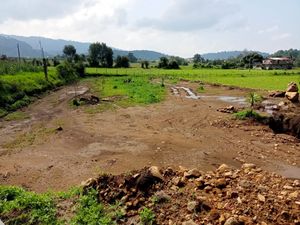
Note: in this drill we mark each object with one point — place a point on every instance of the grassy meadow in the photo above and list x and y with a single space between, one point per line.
257 79
135 85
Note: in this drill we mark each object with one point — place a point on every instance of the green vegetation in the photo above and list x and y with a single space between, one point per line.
147 217
13 67
90 211
128 91
257 79
248 114
18 206
16 116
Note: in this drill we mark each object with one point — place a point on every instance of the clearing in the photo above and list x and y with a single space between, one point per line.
181 130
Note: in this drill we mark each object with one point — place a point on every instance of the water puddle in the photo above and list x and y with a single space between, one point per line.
190 94
231 99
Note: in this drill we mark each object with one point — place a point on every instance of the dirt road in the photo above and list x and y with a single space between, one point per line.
179 131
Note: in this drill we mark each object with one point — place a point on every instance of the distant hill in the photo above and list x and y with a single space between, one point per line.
228 54
8 46
54 47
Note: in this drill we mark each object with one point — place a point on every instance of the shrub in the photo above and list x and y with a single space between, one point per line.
249 113
67 71
147 217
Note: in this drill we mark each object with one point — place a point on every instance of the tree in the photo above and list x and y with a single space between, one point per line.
69 51
145 64
131 57
198 59
252 58
100 55
163 62
122 61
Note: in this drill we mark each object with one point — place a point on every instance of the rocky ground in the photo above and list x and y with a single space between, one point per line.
228 196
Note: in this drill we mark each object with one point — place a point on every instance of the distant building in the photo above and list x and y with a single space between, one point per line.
277 63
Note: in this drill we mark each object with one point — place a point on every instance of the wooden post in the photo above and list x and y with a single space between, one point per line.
44 62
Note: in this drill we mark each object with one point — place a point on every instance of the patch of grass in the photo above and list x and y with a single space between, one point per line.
248 114
257 79
3 112
39 133
18 206
147 217
16 116
201 89
90 211
129 90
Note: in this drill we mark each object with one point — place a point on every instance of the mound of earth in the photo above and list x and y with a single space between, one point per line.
225 196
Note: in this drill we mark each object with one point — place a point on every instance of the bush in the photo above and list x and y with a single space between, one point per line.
147 217
248 114
67 72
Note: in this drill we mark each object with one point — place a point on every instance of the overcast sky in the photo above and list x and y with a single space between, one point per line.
177 27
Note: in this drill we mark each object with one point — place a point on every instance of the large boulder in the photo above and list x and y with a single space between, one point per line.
292 87
292 96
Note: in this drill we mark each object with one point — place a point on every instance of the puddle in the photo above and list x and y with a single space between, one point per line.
231 99
79 91
190 93
269 107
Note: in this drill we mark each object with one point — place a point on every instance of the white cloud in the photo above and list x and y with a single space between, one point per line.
180 27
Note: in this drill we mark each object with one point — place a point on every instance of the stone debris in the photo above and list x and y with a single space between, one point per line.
225 196
292 92
228 109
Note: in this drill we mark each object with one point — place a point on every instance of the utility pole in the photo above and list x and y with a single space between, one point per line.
19 55
44 62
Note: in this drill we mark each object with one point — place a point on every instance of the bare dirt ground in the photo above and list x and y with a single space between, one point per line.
179 131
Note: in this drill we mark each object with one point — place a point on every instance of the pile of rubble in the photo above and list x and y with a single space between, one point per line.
291 93
225 196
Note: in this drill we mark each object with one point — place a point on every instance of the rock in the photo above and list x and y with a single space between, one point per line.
277 94
161 196
221 183
296 183
154 171
248 166
191 206
189 222
292 96
261 198
287 187
292 87
89 182
178 181
245 184
293 195
193 173
232 221
59 128
223 168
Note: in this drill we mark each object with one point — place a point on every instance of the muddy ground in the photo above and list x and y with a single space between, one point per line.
179 131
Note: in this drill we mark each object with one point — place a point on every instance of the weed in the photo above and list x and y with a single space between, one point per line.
18 206
16 116
249 113
147 217
201 89
90 211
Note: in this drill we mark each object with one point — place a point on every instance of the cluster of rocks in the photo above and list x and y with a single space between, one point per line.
228 109
225 196
291 93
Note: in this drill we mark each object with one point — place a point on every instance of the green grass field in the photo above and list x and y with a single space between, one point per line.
257 79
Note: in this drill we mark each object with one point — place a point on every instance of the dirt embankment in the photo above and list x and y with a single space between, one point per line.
227 196
179 131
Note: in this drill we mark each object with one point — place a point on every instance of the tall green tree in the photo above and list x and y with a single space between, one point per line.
100 55
198 58
122 61
69 51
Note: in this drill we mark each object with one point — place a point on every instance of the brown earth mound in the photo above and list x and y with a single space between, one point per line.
225 196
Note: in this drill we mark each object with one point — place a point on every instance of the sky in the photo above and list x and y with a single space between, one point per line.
175 27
